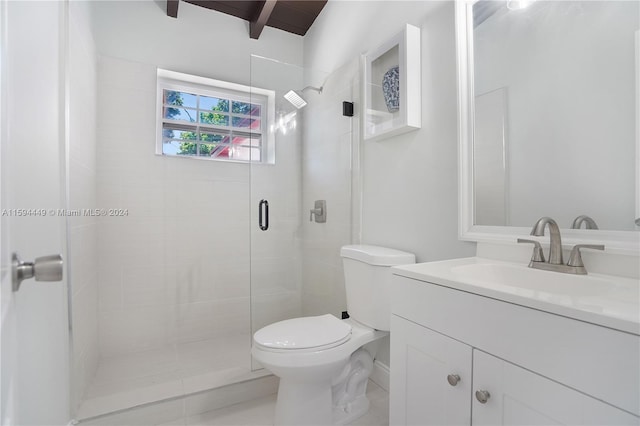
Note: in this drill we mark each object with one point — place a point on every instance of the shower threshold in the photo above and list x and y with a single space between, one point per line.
130 380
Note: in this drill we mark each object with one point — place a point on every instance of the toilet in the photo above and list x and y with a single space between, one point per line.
324 363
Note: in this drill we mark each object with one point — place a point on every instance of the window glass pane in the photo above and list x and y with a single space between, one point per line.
186 148
214 104
173 133
171 147
221 151
214 137
214 118
172 97
183 114
245 108
243 153
246 123
243 140
209 149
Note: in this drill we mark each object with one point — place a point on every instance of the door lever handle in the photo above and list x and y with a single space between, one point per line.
45 268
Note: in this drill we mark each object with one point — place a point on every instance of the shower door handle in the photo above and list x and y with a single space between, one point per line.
263 215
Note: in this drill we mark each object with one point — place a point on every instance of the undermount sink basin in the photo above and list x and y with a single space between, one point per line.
534 280
607 300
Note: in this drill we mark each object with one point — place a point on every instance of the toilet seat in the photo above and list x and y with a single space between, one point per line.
303 334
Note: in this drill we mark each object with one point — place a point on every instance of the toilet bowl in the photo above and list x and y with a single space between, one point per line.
315 364
324 363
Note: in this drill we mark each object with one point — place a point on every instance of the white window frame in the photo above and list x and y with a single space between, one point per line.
181 82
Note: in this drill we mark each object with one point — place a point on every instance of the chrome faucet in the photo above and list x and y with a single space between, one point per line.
555 244
555 263
589 222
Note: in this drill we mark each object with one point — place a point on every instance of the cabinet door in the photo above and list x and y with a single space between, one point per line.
420 391
520 397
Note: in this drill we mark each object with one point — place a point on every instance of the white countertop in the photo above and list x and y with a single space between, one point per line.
605 300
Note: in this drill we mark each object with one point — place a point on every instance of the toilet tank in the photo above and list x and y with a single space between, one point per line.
367 277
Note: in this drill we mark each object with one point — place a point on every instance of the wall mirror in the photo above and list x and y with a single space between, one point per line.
549 104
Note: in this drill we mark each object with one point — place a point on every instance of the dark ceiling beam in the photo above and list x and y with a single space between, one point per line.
262 16
172 8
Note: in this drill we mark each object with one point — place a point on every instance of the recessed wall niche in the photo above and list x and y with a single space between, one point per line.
392 86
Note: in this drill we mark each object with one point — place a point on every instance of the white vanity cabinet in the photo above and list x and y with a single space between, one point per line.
536 368
423 364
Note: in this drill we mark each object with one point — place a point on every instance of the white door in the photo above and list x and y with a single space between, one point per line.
515 396
34 320
431 379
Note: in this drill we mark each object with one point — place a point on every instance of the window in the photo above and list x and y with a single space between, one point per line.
204 118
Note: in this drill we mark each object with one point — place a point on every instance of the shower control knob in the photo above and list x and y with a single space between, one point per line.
482 396
453 379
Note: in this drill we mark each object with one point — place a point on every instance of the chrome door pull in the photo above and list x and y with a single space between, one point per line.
45 268
263 215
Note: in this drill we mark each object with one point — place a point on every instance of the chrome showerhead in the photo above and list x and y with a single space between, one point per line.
296 100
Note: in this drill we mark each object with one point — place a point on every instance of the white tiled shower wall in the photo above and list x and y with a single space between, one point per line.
82 171
177 267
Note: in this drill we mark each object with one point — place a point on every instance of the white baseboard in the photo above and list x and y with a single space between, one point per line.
380 375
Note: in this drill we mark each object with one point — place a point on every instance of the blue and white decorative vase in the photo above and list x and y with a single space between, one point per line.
391 88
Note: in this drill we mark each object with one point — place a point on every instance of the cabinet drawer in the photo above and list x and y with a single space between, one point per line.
598 361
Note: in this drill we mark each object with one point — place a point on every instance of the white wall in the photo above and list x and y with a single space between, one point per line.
410 181
410 199
177 267
569 72
82 171
35 329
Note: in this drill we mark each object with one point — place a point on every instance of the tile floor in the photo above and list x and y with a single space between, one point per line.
259 412
130 380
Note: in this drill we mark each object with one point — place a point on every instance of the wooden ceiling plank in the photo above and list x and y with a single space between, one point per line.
258 23
172 8
295 16
239 8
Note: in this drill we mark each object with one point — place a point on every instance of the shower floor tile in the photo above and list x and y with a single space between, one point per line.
130 380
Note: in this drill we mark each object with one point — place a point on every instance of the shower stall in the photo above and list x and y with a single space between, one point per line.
165 296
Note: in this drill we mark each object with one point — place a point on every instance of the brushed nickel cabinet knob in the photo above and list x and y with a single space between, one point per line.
453 379
482 396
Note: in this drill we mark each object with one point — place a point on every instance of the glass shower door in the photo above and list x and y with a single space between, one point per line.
310 152
275 198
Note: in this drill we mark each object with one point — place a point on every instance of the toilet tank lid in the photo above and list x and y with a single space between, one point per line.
375 255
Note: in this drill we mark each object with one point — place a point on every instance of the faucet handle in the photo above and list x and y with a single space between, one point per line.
575 257
538 254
